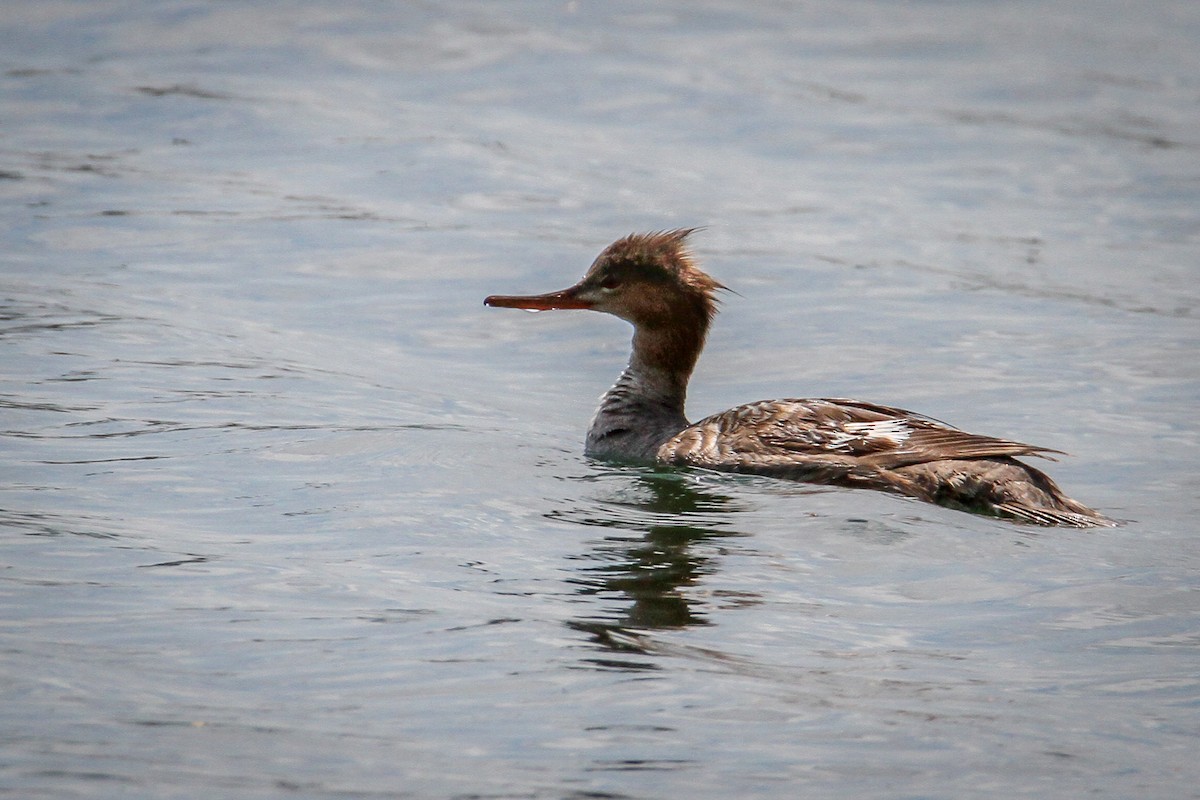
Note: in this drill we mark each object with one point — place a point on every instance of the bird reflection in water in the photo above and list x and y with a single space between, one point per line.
661 524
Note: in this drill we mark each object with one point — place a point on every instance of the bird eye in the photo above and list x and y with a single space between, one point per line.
610 282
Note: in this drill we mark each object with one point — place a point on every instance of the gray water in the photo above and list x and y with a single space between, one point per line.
288 513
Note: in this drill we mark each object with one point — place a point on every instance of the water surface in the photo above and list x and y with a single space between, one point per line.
287 512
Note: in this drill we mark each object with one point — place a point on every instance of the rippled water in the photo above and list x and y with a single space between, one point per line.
287 512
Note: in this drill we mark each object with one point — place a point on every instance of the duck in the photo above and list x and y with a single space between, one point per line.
653 281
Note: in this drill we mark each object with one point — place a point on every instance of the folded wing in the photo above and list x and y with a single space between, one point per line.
827 437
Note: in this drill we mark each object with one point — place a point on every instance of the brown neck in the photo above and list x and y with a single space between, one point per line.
645 407
663 360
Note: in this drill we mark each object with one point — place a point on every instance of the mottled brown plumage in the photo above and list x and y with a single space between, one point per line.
652 281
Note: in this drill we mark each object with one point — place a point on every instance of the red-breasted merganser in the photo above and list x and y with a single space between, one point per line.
651 280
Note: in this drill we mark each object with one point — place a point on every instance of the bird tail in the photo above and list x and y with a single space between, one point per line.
1084 517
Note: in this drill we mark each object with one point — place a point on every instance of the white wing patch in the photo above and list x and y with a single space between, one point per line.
893 431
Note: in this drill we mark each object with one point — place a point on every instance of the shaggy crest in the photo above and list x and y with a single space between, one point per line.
657 257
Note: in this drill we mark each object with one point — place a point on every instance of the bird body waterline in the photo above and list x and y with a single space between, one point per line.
652 281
